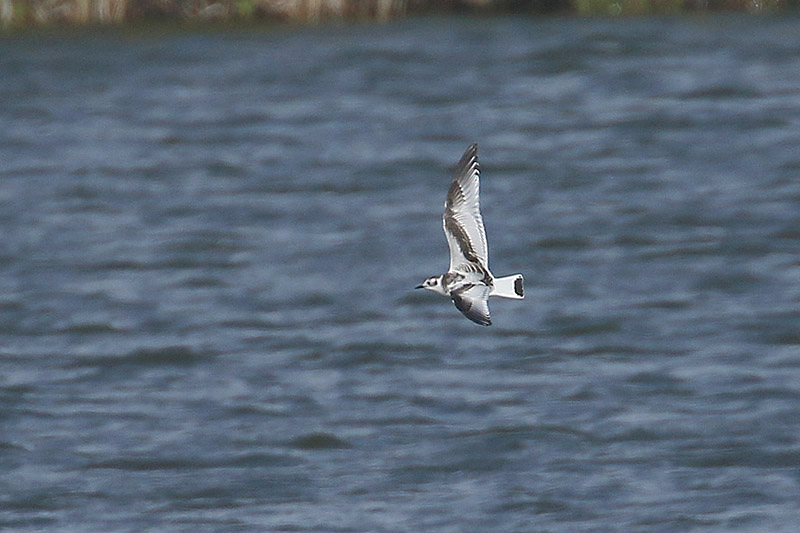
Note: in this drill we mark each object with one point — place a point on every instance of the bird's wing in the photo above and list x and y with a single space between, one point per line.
473 301
463 224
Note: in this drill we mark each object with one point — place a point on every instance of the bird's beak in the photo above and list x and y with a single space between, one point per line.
419 287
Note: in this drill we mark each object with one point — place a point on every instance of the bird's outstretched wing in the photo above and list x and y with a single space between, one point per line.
473 301
463 224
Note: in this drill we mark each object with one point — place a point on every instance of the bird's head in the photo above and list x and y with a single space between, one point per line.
433 283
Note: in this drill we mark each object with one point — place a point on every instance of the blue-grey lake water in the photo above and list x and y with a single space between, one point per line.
209 242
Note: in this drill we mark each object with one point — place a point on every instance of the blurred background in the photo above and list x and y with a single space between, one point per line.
210 235
47 12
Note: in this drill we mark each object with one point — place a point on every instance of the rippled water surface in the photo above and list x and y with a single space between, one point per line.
210 243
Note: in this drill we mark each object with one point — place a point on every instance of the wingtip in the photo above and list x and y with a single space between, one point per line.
481 321
468 162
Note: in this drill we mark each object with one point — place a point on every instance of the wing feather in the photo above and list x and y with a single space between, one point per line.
473 301
462 221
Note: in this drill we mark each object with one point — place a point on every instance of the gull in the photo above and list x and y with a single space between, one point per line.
469 282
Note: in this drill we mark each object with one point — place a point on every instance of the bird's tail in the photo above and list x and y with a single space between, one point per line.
509 287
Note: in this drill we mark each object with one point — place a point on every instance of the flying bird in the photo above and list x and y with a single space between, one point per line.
469 282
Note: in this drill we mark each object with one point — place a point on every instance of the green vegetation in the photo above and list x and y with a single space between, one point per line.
245 8
20 13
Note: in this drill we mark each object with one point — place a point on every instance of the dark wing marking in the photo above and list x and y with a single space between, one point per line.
472 300
462 221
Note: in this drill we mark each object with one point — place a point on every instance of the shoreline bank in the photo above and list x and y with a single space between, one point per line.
39 13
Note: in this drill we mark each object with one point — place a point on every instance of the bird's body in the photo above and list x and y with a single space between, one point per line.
469 282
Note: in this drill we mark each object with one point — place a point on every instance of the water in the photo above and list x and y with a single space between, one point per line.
210 240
